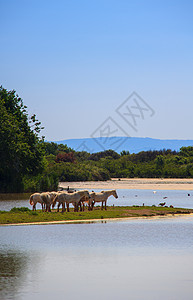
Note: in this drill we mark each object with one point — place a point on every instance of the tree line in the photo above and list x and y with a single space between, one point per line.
28 163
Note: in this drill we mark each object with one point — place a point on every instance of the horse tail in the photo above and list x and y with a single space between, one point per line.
31 200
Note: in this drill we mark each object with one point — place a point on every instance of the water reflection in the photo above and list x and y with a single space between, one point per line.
139 259
13 267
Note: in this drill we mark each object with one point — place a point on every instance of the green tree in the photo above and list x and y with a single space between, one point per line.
21 149
160 162
124 152
186 151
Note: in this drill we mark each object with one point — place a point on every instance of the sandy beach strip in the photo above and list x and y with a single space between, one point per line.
134 183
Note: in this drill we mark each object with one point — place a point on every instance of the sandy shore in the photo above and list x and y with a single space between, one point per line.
134 183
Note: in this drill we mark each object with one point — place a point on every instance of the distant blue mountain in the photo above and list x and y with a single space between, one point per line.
131 144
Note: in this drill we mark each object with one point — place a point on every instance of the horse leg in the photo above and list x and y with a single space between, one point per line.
67 205
105 205
102 205
63 206
82 206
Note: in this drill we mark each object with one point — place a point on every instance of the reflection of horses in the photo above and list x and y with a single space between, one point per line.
66 198
103 196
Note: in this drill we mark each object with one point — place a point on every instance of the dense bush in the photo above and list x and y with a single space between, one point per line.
65 157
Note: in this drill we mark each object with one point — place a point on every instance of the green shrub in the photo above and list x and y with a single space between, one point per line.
20 209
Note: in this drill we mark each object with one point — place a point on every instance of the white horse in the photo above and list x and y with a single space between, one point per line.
38 198
103 196
89 201
59 203
49 199
45 199
66 198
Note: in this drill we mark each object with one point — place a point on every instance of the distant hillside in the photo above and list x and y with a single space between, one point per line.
132 144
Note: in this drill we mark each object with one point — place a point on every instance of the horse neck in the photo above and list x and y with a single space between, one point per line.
55 199
109 193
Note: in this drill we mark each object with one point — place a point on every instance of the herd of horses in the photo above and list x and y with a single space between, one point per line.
78 199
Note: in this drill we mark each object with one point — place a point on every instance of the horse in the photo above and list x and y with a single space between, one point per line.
59 203
89 201
45 199
49 199
66 198
86 199
38 198
103 196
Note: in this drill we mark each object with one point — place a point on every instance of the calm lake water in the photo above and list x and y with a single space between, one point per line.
136 259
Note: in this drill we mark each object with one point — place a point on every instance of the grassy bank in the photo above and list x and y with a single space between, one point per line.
24 215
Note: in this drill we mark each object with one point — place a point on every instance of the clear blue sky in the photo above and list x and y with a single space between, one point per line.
74 62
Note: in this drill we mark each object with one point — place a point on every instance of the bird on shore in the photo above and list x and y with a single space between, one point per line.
162 203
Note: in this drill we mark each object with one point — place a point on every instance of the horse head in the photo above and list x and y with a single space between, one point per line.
115 194
86 194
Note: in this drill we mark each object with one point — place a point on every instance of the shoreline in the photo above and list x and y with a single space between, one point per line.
134 183
105 220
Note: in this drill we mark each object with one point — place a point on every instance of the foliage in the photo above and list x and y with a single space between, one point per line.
97 156
54 148
65 157
20 209
28 163
124 152
21 150
186 151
